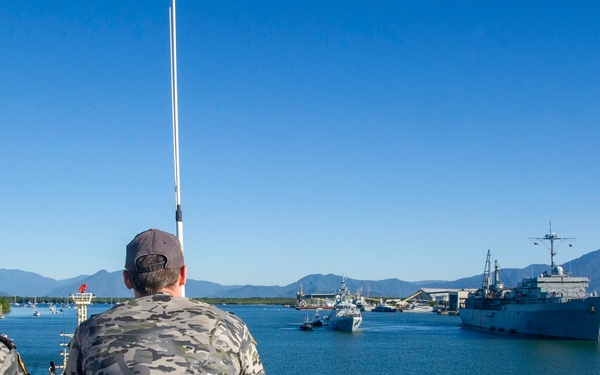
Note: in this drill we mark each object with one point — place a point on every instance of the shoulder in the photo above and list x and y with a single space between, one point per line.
161 307
4 349
10 361
196 309
6 343
7 348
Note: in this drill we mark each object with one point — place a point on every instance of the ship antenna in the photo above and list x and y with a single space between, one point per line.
175 111
552 237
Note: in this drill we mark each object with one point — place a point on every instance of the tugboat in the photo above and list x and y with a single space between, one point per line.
317 322
553 304
307 325
345 316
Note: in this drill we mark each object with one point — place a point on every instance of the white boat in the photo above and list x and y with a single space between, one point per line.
52 308
35 311
345 316
418 307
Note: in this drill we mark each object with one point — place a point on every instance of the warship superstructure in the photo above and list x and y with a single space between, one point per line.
553 304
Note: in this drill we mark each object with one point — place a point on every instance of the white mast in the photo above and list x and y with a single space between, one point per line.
175 110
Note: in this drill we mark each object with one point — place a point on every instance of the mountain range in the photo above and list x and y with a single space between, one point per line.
110 284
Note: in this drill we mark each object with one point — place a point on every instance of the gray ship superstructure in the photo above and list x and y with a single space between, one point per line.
553 304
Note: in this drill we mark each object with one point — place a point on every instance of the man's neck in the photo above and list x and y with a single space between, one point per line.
172 291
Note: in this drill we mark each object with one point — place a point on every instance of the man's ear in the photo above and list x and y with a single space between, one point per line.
126 280
182 275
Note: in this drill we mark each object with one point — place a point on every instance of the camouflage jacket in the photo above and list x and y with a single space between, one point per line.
10 360
163 334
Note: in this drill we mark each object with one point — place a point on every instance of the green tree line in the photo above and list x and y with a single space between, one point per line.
5 306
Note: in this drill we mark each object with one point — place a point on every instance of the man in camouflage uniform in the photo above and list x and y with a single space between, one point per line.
10 360
161 332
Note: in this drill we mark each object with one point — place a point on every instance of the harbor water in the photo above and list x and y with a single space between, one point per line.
386 343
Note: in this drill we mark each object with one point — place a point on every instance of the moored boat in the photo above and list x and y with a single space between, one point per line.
35 310
361 303
418 307
553 304
382 306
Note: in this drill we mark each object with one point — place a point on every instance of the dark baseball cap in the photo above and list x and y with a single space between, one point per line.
154 242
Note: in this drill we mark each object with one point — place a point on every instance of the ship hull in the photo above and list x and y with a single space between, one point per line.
345 323
573 319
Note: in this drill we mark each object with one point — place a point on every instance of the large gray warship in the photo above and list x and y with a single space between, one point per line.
345 316
553 304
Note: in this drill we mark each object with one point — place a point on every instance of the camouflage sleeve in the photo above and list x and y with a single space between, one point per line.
251 363
10 360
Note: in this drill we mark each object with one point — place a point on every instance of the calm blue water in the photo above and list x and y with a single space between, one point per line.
387 343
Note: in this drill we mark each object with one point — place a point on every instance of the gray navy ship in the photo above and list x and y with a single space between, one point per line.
345 316
553 304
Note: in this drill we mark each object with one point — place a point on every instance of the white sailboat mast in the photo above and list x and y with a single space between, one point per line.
175 111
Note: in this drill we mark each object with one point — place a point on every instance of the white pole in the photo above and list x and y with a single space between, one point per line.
175 110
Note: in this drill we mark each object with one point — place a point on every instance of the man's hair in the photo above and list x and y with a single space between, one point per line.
148 283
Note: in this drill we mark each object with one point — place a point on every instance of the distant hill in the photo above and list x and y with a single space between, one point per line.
23 283
110 284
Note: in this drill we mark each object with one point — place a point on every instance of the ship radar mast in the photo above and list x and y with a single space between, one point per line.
552 237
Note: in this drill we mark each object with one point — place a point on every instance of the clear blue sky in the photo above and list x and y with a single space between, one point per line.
384 139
